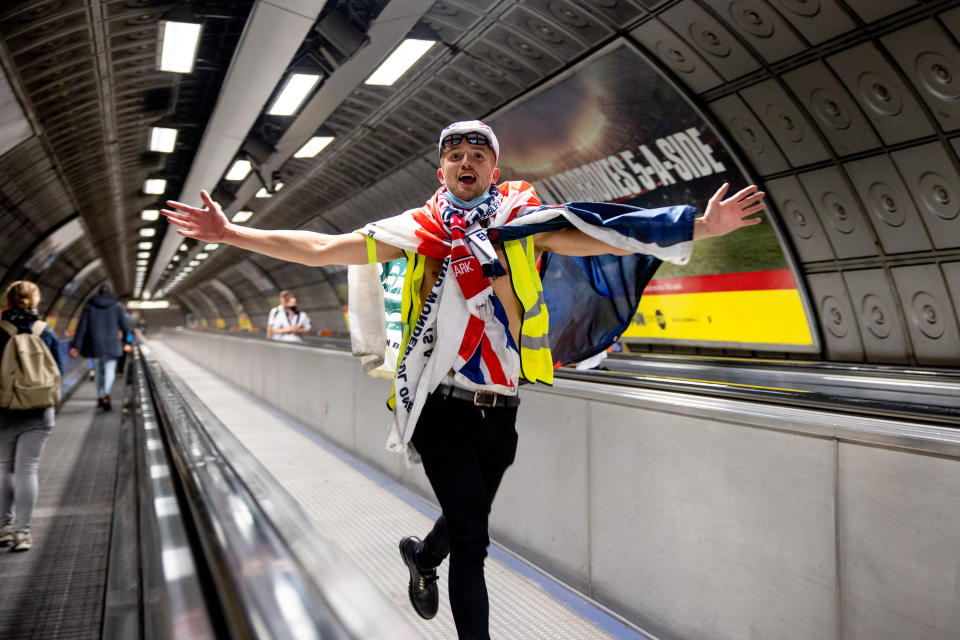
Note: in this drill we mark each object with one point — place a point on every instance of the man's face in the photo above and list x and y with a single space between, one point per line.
468 170
291 302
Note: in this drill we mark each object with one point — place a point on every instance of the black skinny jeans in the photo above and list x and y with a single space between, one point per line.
465 450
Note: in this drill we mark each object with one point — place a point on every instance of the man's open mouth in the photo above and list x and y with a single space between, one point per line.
468 179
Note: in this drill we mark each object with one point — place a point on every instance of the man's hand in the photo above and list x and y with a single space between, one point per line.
74 352
127 347
724 216
208 224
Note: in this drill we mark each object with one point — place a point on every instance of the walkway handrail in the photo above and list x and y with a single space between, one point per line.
275 574
154 590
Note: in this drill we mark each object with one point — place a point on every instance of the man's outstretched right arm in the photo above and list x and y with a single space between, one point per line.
209 224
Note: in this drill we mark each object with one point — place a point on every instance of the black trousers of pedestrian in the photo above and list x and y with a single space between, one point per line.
465 450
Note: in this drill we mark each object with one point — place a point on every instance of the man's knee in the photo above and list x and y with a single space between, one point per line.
469 538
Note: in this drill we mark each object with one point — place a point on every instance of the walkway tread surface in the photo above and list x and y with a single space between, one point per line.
367 520
56 590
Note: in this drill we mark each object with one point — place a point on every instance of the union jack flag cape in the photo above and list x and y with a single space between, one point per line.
464 328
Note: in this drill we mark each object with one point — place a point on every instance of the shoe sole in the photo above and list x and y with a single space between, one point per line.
413 603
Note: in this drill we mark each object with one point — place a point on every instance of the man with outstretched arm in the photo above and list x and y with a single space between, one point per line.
475 324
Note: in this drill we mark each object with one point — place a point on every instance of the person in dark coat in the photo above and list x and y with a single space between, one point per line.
23 432
98 336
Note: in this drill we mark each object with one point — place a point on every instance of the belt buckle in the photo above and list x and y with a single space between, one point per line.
479 398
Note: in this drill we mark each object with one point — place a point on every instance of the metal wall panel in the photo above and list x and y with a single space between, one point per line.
930 317
882 332
544 33
801 219
935 186
842 123
761 26
837 318
885 198
755 142
677 55
898 536
617 12
930 59
785 123
817 20
871 10
576 20
882 95
711 39
951 273
840 213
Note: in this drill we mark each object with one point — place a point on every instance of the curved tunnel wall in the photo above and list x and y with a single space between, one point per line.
846 112
845 115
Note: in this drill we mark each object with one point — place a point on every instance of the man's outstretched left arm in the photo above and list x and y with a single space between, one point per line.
721 217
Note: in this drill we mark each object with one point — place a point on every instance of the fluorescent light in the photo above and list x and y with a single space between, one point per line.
397 63
142 263
180 40
295 89
313 146
140 270
239 170
193 263
277 187
148 304
175 258
144 245
183 247
263 193
202 256
150 214
162 139
148 232
188 269
155 186
210 246
143 254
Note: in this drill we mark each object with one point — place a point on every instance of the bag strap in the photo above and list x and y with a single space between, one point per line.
8 327
38 327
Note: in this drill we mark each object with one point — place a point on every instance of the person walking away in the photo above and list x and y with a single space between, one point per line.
286 322
30 375
98 336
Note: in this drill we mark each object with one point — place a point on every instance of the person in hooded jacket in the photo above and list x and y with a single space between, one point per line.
98 336
23 432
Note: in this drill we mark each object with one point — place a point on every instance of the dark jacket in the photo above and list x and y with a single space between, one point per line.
23 321
98 334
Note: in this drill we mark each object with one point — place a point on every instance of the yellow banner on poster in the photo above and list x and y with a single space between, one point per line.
734 313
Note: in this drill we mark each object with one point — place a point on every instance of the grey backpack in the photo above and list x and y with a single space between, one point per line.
29 377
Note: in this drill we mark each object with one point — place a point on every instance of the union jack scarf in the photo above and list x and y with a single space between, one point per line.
465 328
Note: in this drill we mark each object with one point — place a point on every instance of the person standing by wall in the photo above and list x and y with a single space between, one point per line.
23 431
286 322
98 337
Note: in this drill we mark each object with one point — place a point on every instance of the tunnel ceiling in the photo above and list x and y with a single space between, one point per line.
844 110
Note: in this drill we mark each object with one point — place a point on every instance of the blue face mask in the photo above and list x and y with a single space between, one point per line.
476 202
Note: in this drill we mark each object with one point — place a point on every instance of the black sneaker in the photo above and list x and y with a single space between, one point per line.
423 592
106 403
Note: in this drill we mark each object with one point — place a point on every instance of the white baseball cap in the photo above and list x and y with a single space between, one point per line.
462 129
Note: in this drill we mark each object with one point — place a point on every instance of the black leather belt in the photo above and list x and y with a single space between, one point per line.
485 399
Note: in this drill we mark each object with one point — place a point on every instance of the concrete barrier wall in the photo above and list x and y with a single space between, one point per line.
695 518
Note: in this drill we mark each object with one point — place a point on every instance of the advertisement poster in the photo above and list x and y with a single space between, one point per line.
614 130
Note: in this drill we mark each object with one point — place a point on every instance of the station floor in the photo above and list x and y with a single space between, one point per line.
365 514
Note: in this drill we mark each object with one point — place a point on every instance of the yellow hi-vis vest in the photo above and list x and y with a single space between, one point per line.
536 362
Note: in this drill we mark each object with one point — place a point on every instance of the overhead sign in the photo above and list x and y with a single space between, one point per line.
614 130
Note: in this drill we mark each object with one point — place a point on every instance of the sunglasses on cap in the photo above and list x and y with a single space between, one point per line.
472 137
